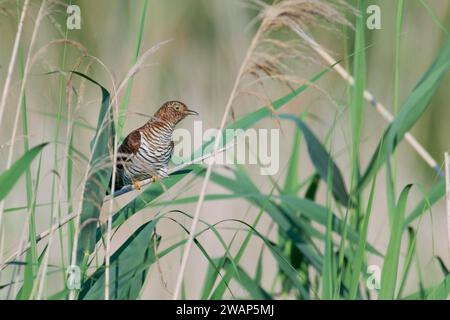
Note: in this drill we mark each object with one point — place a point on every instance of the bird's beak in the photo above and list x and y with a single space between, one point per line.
192 112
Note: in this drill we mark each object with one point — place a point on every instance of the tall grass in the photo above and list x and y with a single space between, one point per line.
321 213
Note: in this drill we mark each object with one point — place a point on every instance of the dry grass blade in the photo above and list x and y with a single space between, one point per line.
111 203
13 60
140 63
196 218
8 81
39 18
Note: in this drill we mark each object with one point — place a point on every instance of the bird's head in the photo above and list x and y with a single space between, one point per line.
173 112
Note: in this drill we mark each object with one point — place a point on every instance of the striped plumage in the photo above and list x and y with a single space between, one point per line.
146 151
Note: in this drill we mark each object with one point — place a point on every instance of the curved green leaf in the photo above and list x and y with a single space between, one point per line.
129 266
322 161
251 285
98 176
391 260
411 111
436 193
9 178
441 291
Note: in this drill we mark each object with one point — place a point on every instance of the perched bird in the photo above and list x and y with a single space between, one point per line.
146 151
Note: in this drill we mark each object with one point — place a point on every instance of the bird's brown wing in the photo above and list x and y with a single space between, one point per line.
128 147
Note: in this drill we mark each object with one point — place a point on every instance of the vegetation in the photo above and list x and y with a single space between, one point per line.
310 232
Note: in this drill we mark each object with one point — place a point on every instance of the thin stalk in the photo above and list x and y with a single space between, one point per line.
188 246
31 259
359 254
423 153
55 155
8 83
22 90
12 62
126 189
124 105
397 55
329 267
357 106
78 215
434 17
400 7
111 202
143 183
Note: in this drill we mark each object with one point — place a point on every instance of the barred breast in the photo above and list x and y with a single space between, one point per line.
153 156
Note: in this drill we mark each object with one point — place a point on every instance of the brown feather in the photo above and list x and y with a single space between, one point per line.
129 146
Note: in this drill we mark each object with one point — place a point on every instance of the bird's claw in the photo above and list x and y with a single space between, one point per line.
154 179
137 185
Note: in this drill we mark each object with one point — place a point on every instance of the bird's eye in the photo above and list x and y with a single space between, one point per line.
177 108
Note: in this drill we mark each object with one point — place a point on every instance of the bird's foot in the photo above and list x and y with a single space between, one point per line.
158 179
137 185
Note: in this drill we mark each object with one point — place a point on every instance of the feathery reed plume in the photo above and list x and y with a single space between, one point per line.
273 57
280 16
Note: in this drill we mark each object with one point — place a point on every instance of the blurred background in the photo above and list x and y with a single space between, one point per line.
198 67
